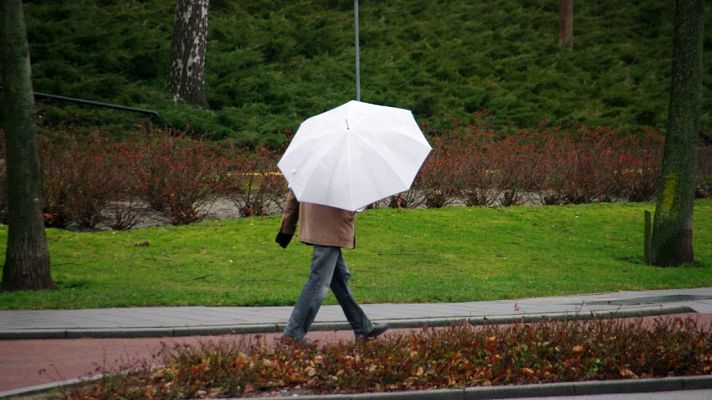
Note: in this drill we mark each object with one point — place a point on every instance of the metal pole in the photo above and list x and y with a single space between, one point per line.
358 61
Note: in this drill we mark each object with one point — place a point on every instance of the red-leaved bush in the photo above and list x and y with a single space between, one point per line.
79 179
92 180
89 180
252 181
127 206
704 175
3 180
439 177
454 357
176 175
58 171
556 166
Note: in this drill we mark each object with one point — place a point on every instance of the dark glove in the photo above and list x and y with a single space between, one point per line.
283 239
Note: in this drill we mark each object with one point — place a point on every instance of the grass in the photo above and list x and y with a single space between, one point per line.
422 255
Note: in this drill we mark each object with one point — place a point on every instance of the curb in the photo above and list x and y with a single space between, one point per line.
535 390
130 333
47 388
648 385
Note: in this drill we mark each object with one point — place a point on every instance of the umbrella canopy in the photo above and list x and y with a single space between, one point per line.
354 155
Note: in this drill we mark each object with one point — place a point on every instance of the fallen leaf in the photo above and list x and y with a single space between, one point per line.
627 373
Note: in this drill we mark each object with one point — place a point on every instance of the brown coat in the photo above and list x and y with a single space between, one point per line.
319 224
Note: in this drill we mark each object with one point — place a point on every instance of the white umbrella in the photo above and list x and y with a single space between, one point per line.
354 155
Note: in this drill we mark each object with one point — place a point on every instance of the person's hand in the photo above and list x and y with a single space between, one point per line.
283 239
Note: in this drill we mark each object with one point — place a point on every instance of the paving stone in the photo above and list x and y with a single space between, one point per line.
207 319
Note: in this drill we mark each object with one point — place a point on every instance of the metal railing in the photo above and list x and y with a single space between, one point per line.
151 113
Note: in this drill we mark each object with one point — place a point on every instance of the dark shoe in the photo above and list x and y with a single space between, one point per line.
377 330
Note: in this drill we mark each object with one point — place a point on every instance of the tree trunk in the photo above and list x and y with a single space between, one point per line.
186 78
672 227
566 23
27 258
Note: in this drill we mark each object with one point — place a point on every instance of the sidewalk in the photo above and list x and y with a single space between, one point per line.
189 321
100 337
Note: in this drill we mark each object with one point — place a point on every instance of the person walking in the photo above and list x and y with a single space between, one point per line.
328 230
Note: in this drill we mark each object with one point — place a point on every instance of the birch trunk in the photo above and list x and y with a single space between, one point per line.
186 78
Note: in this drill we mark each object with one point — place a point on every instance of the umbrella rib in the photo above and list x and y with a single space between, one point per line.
384 158
312 176
348 162
402 135
322 132
308 141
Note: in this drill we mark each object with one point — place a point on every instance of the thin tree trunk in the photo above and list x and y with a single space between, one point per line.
186 78
27 265
672 227
566 23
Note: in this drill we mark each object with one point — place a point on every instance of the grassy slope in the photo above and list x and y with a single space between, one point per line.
272 63
440 255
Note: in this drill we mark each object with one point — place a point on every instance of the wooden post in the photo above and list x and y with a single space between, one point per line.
566 23
647 238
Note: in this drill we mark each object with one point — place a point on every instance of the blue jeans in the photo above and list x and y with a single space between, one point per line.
328 270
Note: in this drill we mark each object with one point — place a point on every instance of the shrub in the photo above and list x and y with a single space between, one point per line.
439 182
83 177
704 175
253 182
512 170
126 208
408 199
57 172
450 357
559 166
3 180
585 165
639 166
93 181
484 177
177 176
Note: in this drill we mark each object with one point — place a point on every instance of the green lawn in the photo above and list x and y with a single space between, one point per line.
439 255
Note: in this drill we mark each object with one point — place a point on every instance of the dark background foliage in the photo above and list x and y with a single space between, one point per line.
270 64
